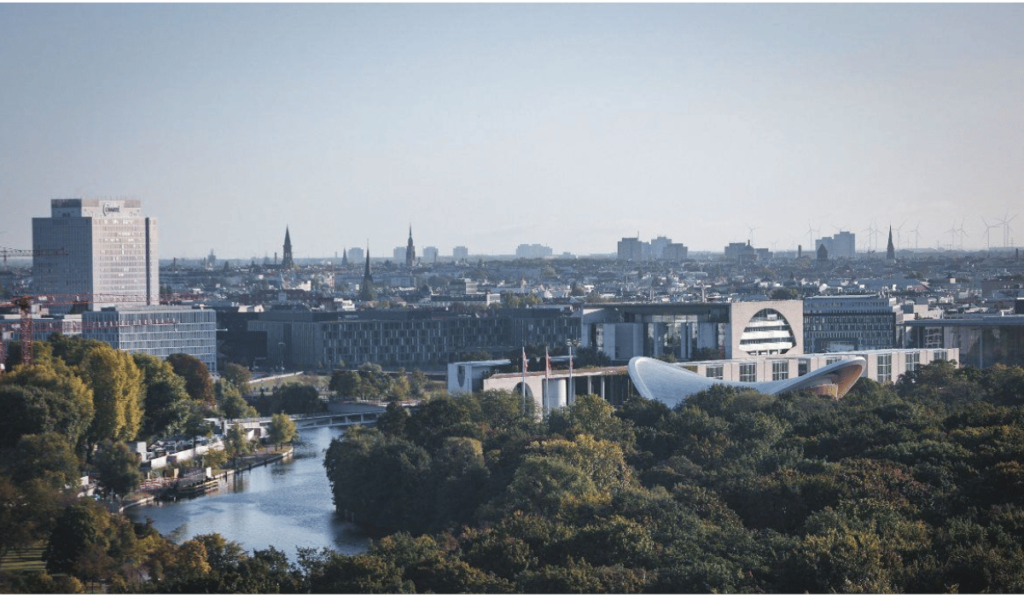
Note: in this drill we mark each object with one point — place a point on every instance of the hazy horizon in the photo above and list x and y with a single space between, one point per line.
494 125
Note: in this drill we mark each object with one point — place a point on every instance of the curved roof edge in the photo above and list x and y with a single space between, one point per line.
671 384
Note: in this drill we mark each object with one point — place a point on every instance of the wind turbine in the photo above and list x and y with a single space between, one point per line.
952 236
917 235
962 233
1006 228
810 236
750 239
988 228
899 237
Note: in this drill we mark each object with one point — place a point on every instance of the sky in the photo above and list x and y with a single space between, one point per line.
494 125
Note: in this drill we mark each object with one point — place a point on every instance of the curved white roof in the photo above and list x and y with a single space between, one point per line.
672 384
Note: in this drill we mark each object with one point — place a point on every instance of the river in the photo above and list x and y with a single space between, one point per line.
286 505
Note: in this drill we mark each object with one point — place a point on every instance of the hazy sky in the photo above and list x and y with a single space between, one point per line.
494 125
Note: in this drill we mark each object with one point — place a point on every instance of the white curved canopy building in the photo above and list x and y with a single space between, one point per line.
672 385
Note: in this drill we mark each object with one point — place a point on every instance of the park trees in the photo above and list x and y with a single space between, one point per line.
198 381
231 403
167 408
118 469
118 394
282 429
46 396
238 375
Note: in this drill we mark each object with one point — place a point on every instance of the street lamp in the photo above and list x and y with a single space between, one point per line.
572 384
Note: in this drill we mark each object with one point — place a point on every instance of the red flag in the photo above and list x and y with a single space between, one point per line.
547 363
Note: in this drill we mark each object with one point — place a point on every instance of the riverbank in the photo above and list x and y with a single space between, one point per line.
199 487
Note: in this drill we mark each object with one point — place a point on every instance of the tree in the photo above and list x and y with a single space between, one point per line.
46 456
346 384
231 403
14 532
118 469
77 528
197 378
238 375
237 441
118 396
46 396
282 429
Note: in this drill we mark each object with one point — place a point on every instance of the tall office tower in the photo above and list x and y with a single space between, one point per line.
103 248
630 249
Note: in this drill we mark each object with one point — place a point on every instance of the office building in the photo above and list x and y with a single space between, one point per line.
631 249
852 322
104 250
424 338
693 331
159 331
533 251
460 252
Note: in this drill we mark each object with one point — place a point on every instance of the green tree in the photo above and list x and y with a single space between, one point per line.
46 396
346 384
238 375
231 403
77 529
118 396
197 377
118 469
237 442
282 429
166 400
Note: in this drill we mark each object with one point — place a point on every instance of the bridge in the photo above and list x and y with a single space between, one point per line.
345 415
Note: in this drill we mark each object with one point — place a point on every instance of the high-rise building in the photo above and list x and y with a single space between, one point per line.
841 245
630 249
460 252
105 249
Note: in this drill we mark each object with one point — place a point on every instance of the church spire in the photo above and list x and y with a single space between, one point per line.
366 290
890 249
410 250
286 260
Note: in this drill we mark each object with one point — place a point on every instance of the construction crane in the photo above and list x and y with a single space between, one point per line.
7 251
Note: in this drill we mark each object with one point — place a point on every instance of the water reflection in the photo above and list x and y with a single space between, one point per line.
285 505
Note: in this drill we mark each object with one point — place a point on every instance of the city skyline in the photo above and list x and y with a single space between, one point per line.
491 126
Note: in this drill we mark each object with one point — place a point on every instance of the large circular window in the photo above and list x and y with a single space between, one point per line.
767 332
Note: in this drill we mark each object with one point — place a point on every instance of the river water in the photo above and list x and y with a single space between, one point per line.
286 505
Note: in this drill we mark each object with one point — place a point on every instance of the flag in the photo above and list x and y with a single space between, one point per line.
547 364
524 360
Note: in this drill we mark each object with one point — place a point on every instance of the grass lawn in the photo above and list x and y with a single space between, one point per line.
29 559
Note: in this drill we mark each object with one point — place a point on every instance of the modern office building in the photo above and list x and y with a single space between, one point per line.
460 252
693 331
104 250
533 251
101 256
981 341
424 338
159 331
852 322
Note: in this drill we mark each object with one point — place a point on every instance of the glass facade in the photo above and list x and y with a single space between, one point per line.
160 331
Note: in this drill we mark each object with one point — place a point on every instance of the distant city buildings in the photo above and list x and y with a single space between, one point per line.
533 251
841 245
660 249
430 254
744 253
355 255
460 253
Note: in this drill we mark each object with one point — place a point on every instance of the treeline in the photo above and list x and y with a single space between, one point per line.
912 487
72 412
